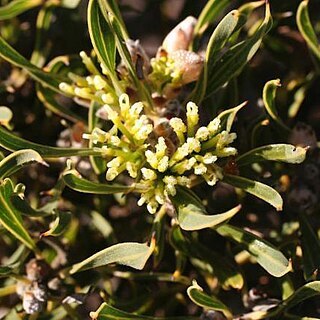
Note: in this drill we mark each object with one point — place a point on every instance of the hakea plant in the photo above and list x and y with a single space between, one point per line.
140 132
161 161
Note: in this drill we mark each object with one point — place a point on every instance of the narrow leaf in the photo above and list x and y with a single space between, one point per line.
193 216
16 7
10 218
131 254
270 258
219 37
269 95
310 249
46 79
196 294
17 160
220 266
306 29
273 152
13 143
107 312
257 189
74 181
210 12
59 225
233 61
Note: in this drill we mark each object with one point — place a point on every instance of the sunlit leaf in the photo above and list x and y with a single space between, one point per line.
306 29
131 254
15 161
192 214
257 189
270 258
46 79
196 294
16 7
220 266
59 225
269 95
13 143
233 61
209 13
74 181
219 37
10 218
107 312
273 152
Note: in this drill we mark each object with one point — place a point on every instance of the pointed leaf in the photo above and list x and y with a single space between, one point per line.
15 161
16 7
74 181
13 143
10 218
310 249
233 61
273 152
131 254
219 37
306 29
210 12
59 225
220 266
270 258
269 95
256 188
192 214
107 312
196 294
46 79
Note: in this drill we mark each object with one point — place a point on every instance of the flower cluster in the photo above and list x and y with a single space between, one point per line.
132 145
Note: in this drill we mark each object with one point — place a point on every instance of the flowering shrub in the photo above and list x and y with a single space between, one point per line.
153 134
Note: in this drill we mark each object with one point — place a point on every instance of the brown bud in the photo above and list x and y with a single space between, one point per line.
180 37
189 63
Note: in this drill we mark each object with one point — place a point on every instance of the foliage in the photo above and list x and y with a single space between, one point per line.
158 155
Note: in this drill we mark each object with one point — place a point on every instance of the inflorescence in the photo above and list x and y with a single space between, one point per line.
131 145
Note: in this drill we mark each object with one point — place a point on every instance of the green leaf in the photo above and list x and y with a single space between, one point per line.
269 95
131 254
13 143
107 312
10 218
270 258
273 152
218 39
210 12
21 204
46 79
59 225
16 7
229 115
48 98
17 160
196 294
192 214
42 44
211 261
306 29
310 249
141 89
257 189
233 61
74 181
103 41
